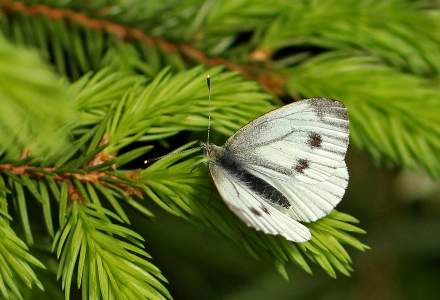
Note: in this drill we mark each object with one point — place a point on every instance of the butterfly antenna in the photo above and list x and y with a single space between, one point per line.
208 81
181 153
150 160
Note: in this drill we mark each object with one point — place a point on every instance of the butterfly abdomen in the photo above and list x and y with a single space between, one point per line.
227 161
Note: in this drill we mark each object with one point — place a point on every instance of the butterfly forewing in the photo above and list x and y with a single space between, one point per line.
305 140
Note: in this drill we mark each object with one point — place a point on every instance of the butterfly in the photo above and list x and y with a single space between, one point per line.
285 168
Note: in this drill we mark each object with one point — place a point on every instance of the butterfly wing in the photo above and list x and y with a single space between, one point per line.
305 140
299 149
253 210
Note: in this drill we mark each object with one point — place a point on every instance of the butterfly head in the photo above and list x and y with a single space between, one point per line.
210 150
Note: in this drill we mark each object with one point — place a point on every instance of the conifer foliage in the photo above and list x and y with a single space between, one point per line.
90 89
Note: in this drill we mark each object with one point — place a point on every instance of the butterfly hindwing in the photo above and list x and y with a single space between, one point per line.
310 202
253 209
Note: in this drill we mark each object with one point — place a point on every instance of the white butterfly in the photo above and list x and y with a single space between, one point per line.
285 167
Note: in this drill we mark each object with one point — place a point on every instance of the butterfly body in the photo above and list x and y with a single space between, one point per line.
285 167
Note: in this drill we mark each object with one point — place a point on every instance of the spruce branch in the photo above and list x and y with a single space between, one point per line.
408 40
70 186
16 261
103 30
150 111
106 254
111 252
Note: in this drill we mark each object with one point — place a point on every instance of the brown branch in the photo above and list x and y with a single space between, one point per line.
102 156
39 172
270 80
88 177
73 193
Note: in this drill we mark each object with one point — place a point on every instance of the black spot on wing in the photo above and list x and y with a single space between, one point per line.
256 184
265 209
301 165
255 211
315 140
